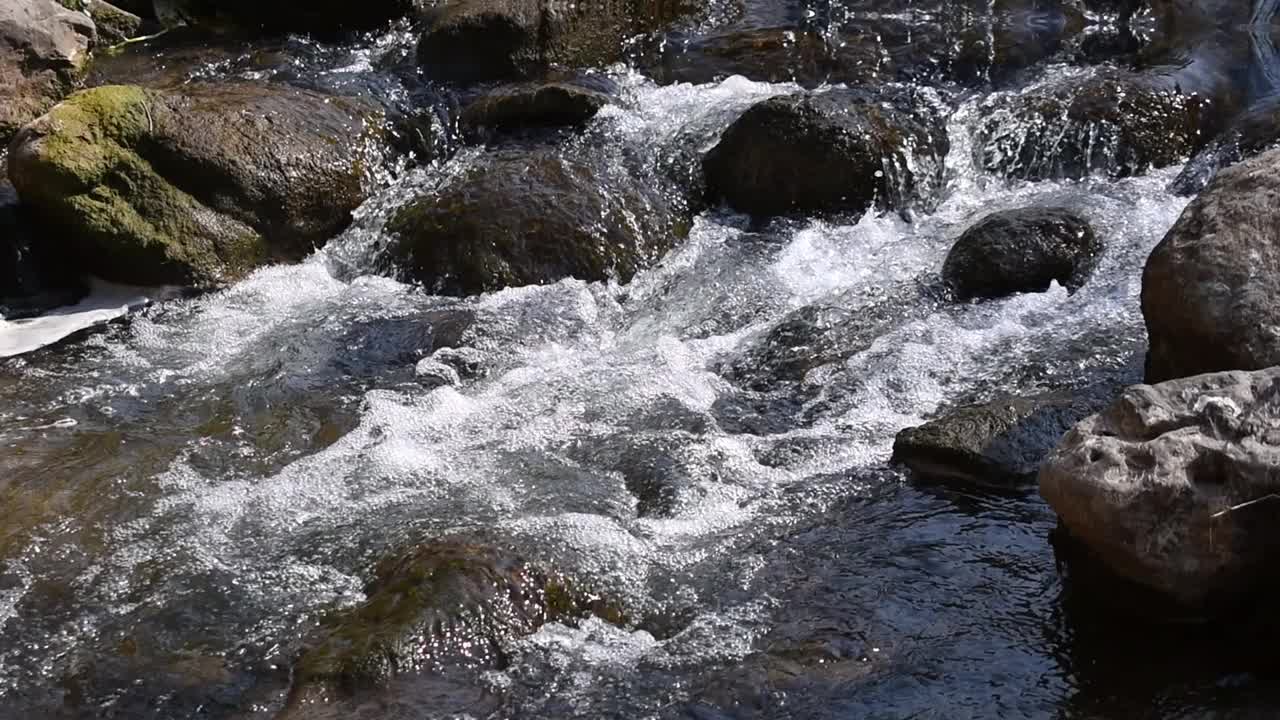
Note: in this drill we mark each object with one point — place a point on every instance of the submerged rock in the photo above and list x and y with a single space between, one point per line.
837 151
1113 123
1174 486
446 604
196 185
483 40
512 107
43 50
1021 251
999 444
1209 288
517 216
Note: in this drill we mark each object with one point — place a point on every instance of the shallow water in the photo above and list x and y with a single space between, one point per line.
181 495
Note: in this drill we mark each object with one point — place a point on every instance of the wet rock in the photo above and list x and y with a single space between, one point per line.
1174 486
1252 133
523 105
483 40
998 444
43 50
1209 288
114 24
31 281
838 151
197 185
446 604
783 54
325 17
1019 251
1114 123
517 216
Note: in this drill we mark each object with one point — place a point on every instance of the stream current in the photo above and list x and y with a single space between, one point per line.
182 494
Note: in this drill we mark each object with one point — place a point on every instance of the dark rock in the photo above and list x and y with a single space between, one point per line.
1209 288
1114 123
481 40
324 17
1021 251
1174 486
804 56
999 444
838 151
114 24
447 603
196 185
43 50
523 105
1250 134
518 216
31 281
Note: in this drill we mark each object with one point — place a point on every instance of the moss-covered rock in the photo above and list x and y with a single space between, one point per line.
43 50
115 25
837 151
197 185
479 40
518 216
447 603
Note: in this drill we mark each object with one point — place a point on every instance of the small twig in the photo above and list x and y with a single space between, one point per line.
1241 506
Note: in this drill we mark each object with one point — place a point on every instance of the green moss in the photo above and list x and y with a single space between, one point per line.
87 174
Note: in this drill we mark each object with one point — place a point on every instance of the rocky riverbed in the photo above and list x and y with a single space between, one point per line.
638 359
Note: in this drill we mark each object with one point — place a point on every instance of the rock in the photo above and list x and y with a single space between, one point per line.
998 444
1209 288
781 54
114 24
483 40
31 282
522 105
324 17
43 50
448 603
517 216
1019 251
1116 124
838 151
1174 486
1252 133
197 185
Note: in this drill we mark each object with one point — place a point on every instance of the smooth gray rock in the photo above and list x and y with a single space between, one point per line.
1209 289
1175 486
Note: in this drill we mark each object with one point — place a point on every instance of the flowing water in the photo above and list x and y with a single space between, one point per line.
183 494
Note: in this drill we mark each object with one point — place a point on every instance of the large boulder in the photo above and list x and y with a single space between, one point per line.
1113 123
481 40
325 17
996 445
196 185
448 603
836 151
1210 287
43 49
1175 486
1021 250
518 216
